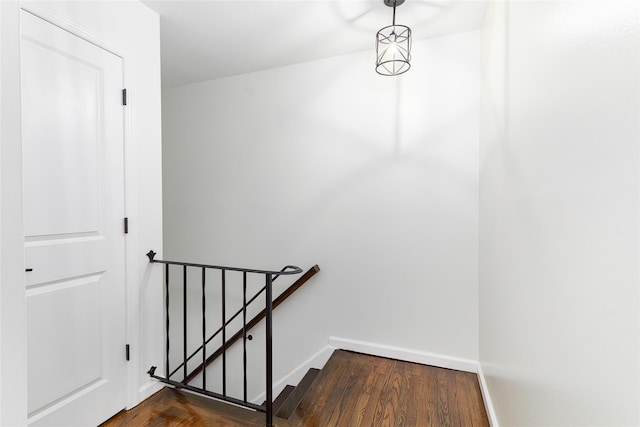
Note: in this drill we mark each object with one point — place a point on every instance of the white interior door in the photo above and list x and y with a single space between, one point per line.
73 220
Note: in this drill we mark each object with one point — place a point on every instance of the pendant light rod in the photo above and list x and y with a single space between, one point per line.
394 12
393 4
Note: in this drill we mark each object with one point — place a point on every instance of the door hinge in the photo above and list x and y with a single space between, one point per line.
124 97
126 226
126 351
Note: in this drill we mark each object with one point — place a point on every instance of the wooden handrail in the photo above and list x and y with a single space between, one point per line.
253 322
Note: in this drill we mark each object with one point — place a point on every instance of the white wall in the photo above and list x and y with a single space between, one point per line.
373 178
559 234
131 30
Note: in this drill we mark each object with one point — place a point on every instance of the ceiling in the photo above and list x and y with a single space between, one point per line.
208 39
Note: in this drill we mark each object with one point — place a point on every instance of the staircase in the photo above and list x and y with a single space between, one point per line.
351 390
291 396
193 281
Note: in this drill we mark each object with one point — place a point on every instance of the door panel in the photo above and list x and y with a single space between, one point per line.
79 351
62 132
73 212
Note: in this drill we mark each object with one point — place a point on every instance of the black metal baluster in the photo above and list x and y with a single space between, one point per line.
224 336
269 356
204 333
184 325
166 280
244 331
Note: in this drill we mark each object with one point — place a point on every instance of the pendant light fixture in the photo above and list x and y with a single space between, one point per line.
393 46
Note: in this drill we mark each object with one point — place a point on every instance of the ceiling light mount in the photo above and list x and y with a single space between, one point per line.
393 46
392 3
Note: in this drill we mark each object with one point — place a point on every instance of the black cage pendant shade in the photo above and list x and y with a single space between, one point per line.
393 46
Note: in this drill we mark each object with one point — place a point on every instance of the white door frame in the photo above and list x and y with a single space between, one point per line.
131 248
13 375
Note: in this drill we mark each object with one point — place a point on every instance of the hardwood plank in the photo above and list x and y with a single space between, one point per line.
408 397
443 381
468 395
387 399
364 398
354 384
425 388
397 405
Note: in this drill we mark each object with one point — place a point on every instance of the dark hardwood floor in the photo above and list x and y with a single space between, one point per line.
170 407
355 390
352 390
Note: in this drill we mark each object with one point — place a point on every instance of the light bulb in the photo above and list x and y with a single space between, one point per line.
393 46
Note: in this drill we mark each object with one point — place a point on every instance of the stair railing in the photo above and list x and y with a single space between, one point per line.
250 324
269 276
194 373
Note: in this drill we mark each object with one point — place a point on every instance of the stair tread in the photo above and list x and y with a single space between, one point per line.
297 394
282 397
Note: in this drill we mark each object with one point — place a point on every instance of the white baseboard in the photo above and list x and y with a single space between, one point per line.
148 389
317 360
486 397
405 354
